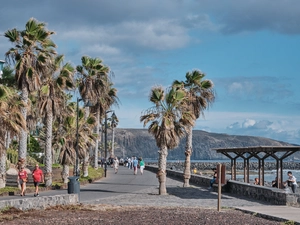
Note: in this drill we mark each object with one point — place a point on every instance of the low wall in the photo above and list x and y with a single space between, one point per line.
40 202
253 165
272 195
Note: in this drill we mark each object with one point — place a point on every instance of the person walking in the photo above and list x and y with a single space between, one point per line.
129 163
22 179
38 177
135 164
142 165
116 164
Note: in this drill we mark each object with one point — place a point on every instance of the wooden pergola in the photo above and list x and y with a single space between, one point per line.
261 153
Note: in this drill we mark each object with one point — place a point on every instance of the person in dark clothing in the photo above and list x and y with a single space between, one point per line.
212 181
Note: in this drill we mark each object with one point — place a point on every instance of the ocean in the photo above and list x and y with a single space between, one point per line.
269 174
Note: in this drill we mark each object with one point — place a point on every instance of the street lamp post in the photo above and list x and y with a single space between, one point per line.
105 143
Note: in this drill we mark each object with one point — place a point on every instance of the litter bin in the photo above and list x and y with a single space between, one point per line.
73 185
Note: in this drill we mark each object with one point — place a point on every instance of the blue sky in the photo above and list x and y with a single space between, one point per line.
249 49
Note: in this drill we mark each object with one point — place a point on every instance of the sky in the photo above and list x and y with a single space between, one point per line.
250 50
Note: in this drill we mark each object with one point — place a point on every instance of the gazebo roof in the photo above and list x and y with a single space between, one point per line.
258 149
260 153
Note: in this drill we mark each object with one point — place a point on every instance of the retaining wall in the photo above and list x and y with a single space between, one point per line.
40 202
272 195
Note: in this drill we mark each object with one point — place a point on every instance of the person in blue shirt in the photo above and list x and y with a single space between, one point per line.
135 164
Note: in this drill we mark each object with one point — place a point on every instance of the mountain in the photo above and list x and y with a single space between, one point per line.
138 142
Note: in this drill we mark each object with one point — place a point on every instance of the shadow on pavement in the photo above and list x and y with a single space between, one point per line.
192 193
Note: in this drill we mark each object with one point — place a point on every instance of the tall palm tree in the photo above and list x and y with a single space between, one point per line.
67 139
200 95
168 118
52 102
31 54
93 85
105 102
11 121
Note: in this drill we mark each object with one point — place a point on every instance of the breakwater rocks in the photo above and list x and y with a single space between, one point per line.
240 165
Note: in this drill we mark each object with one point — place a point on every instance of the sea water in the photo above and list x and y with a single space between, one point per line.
271 174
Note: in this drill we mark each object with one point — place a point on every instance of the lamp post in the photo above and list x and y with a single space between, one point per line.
105 142
88 104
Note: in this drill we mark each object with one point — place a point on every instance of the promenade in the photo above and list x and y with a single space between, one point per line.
127 189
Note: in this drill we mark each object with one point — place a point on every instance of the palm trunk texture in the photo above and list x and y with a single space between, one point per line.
162 167
188 153
65 173
3 169
48 153
97 140
23 134
85 165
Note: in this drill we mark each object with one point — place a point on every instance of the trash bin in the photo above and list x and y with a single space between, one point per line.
73 185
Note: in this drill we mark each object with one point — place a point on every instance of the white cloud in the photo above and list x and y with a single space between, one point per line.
248 123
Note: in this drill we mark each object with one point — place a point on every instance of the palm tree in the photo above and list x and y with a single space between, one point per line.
93 85
106 102
200 95
52 102
31 55
168 118
11 121
67 140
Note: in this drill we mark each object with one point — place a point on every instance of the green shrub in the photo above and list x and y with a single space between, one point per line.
12 156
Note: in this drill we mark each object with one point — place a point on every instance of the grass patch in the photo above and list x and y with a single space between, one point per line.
93 175
8 189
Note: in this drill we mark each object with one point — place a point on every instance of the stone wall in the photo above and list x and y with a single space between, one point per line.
272 195
40 202
240 165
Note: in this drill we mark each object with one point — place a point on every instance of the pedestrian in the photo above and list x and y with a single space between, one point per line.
291 181
22 179
212 181
116 164
135 164
256 181
38 177
129 163
274 183
142 165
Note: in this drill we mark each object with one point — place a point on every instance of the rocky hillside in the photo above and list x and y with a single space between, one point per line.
139 142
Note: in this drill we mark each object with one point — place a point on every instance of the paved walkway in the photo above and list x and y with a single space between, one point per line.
126 189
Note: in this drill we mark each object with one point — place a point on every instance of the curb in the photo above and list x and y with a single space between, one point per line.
265 216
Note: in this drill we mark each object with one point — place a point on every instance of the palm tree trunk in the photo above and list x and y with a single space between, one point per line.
23 134
48 147
65 173
97 140
88 153
7 140
188 153
3 169
162 167
85 164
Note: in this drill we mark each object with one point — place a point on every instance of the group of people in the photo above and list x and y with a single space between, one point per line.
132 163
290 182
22 179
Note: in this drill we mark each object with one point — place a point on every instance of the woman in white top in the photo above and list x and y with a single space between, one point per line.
291 182
116 164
